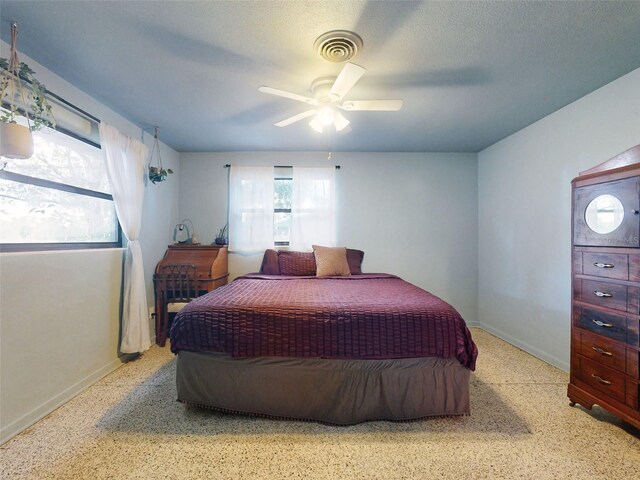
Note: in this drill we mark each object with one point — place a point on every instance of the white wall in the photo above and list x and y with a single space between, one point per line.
59 311
525 214
413 214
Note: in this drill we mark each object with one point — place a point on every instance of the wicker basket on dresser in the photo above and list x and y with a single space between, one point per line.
605 327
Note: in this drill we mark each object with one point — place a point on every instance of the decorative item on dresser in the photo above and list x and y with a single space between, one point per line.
605 331
211 272
221 239
182 233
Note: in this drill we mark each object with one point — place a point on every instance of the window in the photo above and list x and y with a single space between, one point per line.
281 206
250 208
282 193
313 200
60 198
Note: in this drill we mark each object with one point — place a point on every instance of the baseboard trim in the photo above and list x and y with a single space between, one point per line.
17 426
536 352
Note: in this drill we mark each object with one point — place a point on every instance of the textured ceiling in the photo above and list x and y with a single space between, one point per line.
470 73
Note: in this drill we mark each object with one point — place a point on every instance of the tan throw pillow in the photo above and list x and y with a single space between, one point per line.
331 261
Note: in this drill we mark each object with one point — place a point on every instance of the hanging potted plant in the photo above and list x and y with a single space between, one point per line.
157 173
18 99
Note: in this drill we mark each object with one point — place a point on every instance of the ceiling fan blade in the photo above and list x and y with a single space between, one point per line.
348 77
292 96
295 118
380 105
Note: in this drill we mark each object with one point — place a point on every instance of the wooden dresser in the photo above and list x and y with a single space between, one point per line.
211 266
605 327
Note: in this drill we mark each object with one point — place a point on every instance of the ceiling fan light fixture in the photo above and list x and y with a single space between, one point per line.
328 116
317 124
340 122
325 115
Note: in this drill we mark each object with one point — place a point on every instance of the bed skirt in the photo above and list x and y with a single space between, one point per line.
341 392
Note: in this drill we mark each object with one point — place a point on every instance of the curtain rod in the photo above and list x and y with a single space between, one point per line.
278 166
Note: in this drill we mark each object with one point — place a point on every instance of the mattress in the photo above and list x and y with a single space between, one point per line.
369 316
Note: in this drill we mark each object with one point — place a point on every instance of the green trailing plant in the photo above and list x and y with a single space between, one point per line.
158 174
32 95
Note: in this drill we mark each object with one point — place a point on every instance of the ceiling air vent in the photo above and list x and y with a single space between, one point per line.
338 46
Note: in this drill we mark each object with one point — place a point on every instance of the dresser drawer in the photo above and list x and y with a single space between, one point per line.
633 363
633 332
633 393
608 265
603 350
577 262
603 379
605 294
634 267
607 324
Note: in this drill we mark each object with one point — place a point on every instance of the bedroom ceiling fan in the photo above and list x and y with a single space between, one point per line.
328 100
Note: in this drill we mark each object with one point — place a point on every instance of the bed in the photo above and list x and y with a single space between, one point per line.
335 349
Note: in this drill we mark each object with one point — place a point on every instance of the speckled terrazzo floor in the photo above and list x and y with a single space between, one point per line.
129 425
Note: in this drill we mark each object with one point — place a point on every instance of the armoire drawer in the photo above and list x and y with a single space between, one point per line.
602 350
607 324
633 332
606 294
633 394
603 379
608 265
633 363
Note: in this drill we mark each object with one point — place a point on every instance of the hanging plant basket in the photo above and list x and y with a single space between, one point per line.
16 140
28 101
157 173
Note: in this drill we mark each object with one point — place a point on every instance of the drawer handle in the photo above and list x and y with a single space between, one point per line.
598 293
602 352
603 265
602 324
601 380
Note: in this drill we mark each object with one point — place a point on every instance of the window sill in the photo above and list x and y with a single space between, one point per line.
74 250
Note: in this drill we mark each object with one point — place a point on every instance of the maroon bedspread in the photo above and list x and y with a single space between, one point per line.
358 316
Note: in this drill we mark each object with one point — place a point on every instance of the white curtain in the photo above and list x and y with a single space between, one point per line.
125 158
313 207
250 208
